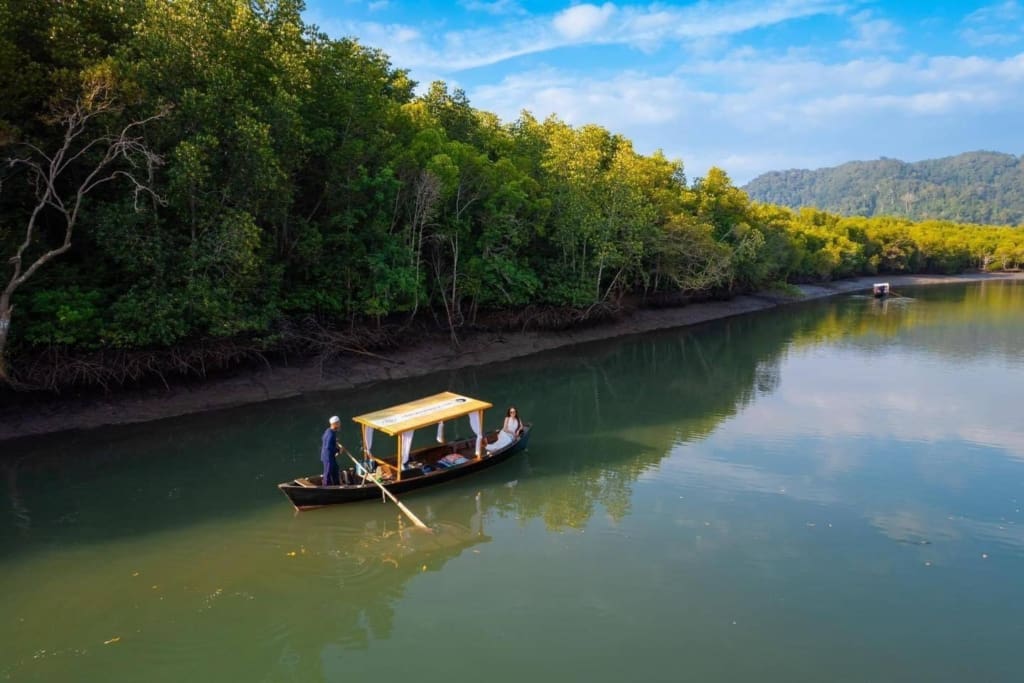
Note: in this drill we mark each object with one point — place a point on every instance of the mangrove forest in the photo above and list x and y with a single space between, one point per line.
195 184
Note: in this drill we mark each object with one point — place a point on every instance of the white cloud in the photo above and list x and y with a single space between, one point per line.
774 90
498 7
874 35
750 114
628 99
580 21
998 24
585 24
999 12
981 38
745 110
405 34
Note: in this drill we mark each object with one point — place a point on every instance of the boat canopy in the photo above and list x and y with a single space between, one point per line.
422 412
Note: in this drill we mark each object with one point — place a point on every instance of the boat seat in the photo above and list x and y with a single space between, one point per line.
305 483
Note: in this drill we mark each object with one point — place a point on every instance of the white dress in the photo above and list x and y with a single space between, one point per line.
507 434
511 425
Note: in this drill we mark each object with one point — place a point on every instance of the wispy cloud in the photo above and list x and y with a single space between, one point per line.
873 35
782 112
764 90
710 81
583 24
999 24
497 7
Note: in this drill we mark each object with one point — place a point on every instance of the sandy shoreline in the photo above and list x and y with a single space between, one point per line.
431 356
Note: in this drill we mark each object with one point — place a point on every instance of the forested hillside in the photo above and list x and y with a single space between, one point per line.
197 183
976 187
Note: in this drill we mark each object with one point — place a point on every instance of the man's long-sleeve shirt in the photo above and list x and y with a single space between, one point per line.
330 447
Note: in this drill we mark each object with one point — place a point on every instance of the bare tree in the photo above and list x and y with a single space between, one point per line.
428 192
84 160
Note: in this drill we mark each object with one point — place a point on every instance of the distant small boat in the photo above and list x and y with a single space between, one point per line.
880 289
427 466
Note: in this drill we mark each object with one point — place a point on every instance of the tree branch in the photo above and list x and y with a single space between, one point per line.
47 174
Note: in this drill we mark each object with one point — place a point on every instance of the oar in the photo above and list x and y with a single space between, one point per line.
405 510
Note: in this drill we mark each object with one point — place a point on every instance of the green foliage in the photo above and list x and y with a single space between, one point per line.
303 177
68 316
976 187
146 315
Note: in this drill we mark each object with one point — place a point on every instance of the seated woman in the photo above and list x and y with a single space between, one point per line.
509 432
513 426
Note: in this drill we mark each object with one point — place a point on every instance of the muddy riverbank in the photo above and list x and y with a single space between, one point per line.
58 414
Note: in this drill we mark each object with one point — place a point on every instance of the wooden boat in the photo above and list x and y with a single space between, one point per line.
412 469
880 289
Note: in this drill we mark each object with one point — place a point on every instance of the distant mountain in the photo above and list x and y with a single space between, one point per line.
975 187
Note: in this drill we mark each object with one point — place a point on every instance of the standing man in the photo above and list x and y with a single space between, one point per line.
329 453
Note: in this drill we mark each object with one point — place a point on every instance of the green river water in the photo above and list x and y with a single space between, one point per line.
830 491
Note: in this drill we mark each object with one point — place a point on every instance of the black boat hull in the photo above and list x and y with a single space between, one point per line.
308 497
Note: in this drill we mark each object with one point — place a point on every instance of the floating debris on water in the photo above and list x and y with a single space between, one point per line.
115 639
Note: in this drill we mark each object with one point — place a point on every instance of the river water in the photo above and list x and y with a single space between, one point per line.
828 491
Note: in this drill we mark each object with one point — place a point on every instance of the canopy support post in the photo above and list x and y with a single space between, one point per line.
480 438
398 459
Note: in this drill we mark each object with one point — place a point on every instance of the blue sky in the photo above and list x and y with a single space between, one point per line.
744 85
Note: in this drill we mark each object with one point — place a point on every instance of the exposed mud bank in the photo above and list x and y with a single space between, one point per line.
431 355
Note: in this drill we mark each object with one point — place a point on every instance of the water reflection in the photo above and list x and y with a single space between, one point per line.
976 323
610 412
225 464
732 487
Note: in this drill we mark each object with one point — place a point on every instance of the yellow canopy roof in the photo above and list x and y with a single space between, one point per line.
422 412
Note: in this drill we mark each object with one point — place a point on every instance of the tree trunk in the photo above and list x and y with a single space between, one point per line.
5 328
455 308
428 190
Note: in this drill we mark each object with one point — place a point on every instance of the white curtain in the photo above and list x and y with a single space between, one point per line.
440 432
367 443
406 438
474 423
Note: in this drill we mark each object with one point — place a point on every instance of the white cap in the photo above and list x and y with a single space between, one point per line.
335 418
